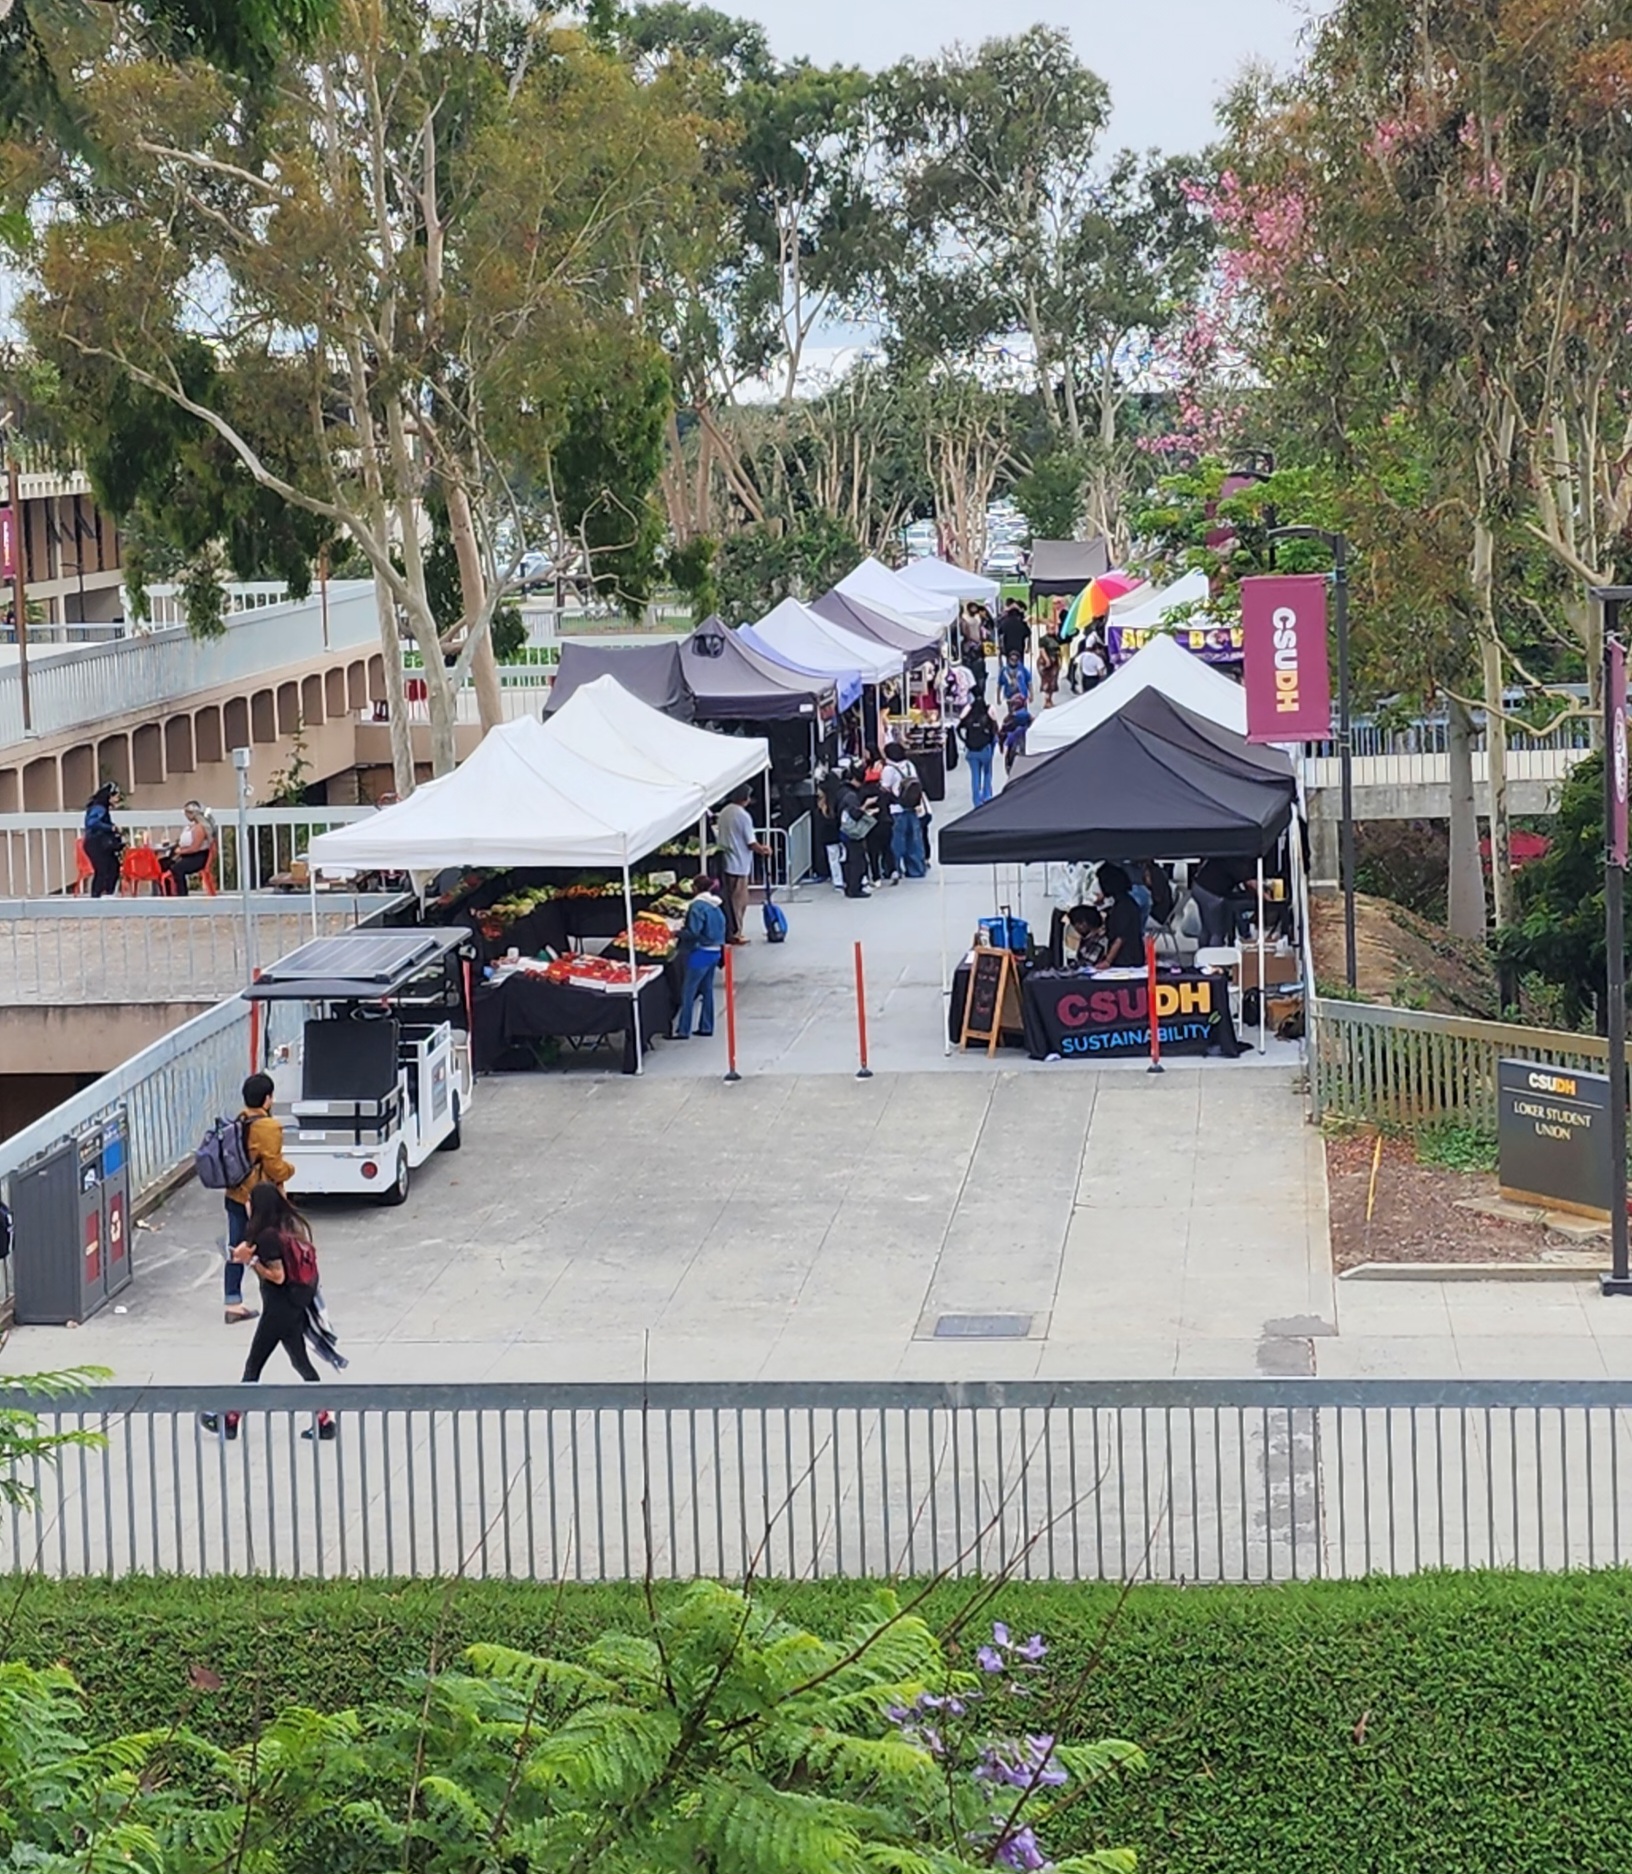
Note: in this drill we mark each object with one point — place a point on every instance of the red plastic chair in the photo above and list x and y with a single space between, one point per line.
84 871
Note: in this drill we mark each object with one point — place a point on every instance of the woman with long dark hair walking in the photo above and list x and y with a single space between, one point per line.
278 1247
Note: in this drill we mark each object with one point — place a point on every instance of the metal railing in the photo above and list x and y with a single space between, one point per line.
1547 765
167 604
1170 1480
83 687
82 951
38 851
1405 1067
172 1091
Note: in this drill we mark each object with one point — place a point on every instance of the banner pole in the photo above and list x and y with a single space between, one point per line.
864 1072
1619 1280
730 1016
1155 1066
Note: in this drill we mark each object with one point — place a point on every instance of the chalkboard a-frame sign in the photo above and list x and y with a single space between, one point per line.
990 975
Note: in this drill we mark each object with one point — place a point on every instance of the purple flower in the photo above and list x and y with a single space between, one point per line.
955 1707
1021 1850
989 1659
1000 1633
897 1714
929 1701
1033 1650
930 1738
1046 1771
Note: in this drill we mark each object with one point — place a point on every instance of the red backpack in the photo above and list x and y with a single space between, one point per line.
299 1260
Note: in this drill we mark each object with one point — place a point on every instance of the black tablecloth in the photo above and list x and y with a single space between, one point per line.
521 1010
1076 1015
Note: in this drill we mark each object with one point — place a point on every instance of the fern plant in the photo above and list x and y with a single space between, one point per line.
724 1741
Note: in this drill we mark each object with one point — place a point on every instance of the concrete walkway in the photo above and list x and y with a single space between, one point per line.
813 1226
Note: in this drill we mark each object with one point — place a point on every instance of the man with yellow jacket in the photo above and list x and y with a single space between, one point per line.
263 1142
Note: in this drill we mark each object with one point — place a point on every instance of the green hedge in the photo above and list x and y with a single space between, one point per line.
1446 1722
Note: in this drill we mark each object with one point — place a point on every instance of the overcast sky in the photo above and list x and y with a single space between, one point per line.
1166 61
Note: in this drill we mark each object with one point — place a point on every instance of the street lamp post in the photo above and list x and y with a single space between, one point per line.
19 573
241 758
1610 599
1337 545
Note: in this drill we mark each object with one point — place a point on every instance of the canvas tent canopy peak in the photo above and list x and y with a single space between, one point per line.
1146 605
1159 665
1061 568
653 672
619 733
873 584
731 681
794 631
945 580
1153 781
521 798
919 644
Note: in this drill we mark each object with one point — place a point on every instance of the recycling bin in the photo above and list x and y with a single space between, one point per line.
71 1226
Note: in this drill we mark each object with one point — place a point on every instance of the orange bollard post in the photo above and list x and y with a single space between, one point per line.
1155 1066
864 1072
730 1017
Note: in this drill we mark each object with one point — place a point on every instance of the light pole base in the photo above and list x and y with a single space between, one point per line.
1615 1285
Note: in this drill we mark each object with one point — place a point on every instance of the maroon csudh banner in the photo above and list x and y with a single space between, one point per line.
1283 625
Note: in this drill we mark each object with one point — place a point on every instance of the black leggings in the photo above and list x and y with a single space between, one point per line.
102 849
278 1327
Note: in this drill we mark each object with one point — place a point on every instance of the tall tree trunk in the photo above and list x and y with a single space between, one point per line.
1501 864
396 701
484 666
1466 890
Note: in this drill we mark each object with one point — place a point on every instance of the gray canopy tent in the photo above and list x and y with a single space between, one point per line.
1061 568
652 672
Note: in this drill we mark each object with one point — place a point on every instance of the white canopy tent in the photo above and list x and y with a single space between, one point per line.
604 724
622 779
874 585
1145 605
1159 665
942 579
794 631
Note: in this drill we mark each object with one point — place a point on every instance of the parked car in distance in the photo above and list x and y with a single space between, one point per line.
1003 562
536 569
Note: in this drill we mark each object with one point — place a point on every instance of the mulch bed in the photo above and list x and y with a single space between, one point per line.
1415 1217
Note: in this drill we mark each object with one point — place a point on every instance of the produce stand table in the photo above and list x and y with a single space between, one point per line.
520 1009
1105 1014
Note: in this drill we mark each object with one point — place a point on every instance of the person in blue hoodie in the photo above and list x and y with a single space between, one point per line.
701 948
104 843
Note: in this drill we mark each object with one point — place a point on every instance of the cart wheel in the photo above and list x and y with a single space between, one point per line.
398 1193
455 1138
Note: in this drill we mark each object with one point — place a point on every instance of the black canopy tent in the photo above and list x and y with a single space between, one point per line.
730 681
1061 568
651 672
919 646
1154 781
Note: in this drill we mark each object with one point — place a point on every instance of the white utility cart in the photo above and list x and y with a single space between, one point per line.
381 1077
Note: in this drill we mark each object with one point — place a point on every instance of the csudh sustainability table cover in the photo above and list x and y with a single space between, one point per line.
1105 1014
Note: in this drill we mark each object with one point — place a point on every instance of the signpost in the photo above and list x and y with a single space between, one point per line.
1553 1129
1338 546
990 980
1611 599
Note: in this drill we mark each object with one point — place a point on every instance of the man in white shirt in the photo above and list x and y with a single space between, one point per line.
738 846
906 794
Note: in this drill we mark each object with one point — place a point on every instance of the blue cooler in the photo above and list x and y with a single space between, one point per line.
1006 932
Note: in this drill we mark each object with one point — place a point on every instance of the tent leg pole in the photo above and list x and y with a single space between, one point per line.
946 980
634 971
311 888
1263 993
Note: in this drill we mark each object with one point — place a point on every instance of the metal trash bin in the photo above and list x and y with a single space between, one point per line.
71 1226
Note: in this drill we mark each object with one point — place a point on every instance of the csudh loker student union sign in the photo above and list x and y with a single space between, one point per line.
1552 1129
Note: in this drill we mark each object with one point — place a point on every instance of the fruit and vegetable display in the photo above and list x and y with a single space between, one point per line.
587 972
654 937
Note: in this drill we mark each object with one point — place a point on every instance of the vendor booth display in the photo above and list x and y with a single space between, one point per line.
1155 781
873 584
1061 568
945 580
607 781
